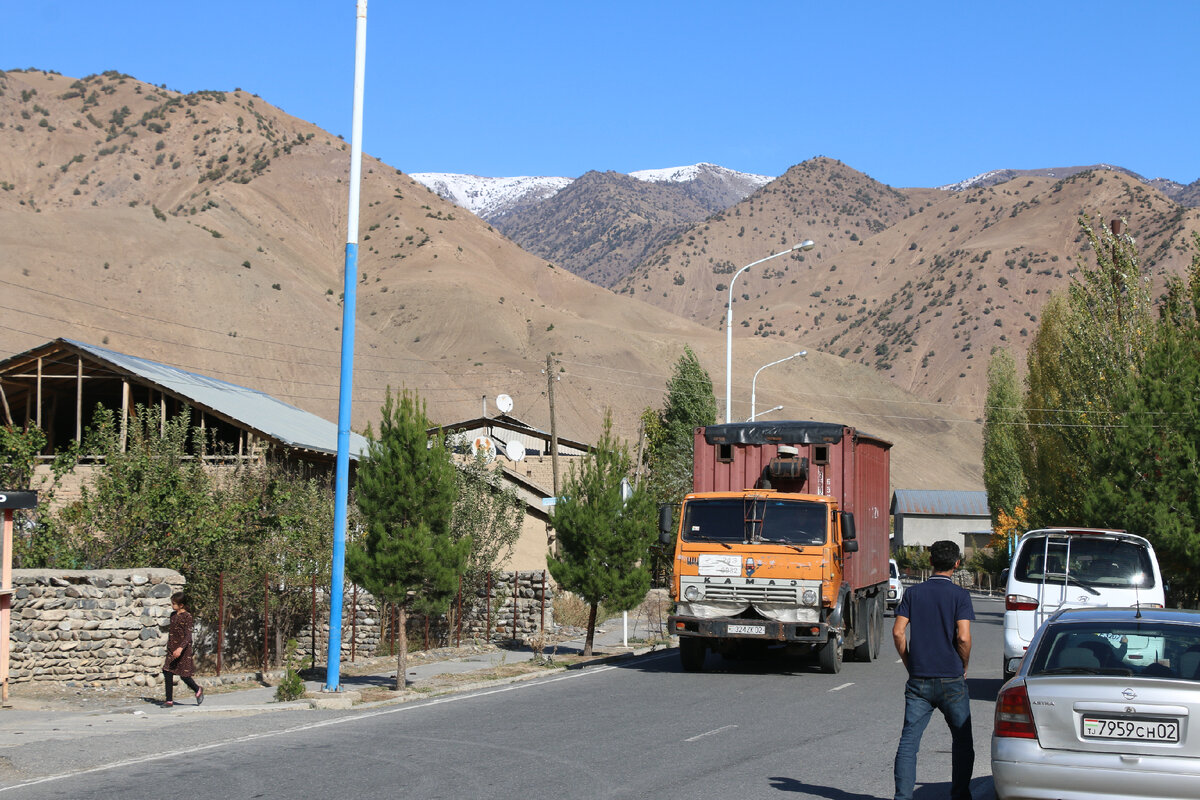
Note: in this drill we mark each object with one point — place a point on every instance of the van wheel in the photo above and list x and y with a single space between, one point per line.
830 655
691 654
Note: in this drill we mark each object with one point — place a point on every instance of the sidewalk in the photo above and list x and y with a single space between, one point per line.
54 711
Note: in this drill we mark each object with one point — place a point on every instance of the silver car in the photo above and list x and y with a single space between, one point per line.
1105 706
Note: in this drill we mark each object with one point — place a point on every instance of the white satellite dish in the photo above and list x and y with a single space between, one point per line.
504 403
514 450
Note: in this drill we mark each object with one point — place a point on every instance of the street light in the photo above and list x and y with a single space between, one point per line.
759 414
807 244
754 382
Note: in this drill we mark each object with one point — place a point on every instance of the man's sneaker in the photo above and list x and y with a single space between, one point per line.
200 695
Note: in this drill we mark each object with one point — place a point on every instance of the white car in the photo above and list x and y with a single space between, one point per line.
895 590
1103 708
1055 568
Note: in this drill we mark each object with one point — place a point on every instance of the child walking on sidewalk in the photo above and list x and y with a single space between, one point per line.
179 650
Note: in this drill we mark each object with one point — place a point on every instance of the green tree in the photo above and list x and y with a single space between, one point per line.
1003 437
1086 345
603 539
689 403
1148 470
405 488
38 542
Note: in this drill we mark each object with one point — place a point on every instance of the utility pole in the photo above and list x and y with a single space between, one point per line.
637 469
553 423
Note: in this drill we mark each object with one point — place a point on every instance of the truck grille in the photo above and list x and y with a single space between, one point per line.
753 594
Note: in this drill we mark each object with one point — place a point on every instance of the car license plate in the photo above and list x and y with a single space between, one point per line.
756 630
1136 730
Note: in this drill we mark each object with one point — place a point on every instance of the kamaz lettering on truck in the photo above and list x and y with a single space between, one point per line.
783 540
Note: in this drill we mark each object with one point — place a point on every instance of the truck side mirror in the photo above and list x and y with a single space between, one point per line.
848 532
849 546
666 517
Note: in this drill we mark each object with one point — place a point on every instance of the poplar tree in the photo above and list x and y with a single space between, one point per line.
1148 471
603 540
1003 437
405 491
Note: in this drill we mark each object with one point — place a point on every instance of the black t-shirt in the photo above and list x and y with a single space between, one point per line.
933 609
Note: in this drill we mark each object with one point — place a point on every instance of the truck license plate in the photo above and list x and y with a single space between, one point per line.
757 630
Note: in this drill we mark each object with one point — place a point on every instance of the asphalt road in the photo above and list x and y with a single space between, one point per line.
774 728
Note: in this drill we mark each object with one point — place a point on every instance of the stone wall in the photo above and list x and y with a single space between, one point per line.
371 638
103 625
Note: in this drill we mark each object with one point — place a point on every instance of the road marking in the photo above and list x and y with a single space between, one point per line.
839 688
710 733
313 726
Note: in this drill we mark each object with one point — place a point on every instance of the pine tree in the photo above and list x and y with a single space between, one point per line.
405 490
603 541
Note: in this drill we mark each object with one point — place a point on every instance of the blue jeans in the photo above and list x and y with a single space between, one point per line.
921 697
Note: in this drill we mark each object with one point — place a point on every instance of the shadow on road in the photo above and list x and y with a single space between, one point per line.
984 688
981 788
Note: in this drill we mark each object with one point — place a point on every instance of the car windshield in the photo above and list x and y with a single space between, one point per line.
736 520
1150 649
1086 560
893 572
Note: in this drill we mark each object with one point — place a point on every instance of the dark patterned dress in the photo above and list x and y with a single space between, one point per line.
180 635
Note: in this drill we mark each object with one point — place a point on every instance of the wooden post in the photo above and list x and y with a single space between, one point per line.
124 414
6 592
487 629
458 616
78 399
553 423
266 619
7 411
39 392
543 600
220 619
313 626
516 594
353 623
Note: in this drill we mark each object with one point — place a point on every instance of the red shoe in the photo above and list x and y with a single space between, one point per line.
168 703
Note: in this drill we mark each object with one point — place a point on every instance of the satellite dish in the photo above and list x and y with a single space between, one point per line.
504 403
514 450
484 445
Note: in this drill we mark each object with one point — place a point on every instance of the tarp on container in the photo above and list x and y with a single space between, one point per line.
779 432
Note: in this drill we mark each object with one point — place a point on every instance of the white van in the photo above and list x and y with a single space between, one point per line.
1055 568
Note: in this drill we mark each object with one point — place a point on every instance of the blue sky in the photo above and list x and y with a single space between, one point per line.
914 94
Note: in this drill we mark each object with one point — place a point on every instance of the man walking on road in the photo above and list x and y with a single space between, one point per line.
937 615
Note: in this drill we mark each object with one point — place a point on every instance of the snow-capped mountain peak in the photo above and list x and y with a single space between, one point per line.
694 171
486 197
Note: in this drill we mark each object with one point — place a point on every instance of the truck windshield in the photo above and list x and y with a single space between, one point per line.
734 520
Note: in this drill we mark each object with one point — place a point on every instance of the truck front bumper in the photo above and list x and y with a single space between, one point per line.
741 628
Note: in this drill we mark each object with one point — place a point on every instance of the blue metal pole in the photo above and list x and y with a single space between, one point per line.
345 393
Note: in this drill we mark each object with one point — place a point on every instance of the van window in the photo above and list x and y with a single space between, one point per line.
1093 560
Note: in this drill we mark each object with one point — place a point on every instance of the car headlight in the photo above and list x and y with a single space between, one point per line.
809 598
691 594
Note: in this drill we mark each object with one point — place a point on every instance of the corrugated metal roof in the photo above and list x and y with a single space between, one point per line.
287 424
933 502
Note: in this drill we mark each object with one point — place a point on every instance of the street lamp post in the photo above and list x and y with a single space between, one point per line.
754 383
807 244
768 411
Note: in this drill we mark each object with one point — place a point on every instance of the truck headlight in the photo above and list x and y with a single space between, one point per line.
691 594
809 598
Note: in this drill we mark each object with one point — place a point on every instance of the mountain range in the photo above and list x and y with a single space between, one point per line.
207 230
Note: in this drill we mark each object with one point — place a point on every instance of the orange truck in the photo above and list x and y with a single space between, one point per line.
783 541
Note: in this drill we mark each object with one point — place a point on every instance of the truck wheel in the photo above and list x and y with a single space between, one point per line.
691 654
866 622
879 603
830 655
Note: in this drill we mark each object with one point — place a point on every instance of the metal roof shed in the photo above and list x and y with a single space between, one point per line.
56 385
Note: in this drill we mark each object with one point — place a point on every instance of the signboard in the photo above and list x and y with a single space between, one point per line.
15 499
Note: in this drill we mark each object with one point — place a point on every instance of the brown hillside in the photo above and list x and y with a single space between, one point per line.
931 285
207 231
